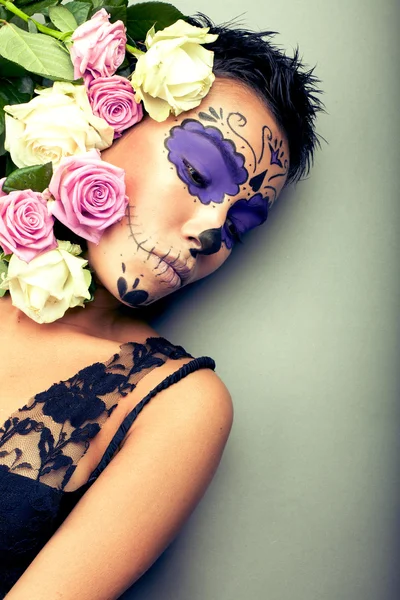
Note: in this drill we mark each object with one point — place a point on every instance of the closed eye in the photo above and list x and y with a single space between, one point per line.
233 231
196 177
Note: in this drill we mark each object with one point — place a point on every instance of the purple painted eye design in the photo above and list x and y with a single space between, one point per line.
205 161
244 216
195 177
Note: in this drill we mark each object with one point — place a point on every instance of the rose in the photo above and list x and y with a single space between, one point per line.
1 187
26 227
176 71
58 122
112 99
89 195
50 284
98 46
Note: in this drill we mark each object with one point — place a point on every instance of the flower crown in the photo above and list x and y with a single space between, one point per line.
68 88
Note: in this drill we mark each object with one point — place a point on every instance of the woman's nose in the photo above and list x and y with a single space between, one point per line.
203 230
210 241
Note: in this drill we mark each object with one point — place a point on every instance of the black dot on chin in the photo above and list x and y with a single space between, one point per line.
122 286
136 297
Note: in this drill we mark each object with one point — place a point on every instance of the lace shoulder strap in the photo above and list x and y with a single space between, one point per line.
69 500
204 362
45 439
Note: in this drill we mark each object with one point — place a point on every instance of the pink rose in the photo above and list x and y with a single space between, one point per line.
89 194
1 187
112 99
26 227
98 46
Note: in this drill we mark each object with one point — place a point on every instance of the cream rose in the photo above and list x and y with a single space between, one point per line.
58 122
49 284
175 73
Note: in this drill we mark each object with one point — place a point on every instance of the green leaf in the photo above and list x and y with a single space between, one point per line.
16 91
19 22
13 92
142 16
25 85
62 18
5 257
5 14
38 7
124 70
36 52
32 27
3 151
24 3
80 10
3 269
115 8
104 3
10 69
36 178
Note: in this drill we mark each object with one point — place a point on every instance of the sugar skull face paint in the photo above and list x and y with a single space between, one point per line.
205 161
243 216
195 184
133 297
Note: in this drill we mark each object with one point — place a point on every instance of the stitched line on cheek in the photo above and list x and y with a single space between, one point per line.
133 235
140 244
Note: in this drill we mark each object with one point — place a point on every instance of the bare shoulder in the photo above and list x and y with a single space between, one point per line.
200 401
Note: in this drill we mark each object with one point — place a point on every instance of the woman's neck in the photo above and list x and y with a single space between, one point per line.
102 317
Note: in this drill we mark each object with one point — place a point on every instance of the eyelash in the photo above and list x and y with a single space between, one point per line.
235 235
199 180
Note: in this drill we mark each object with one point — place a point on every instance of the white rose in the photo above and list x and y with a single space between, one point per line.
49 284
176 71
58 122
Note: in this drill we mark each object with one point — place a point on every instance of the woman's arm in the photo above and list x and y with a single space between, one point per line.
140 501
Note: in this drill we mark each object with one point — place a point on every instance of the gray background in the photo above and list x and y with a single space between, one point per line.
303 324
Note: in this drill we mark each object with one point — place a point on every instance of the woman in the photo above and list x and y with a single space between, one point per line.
96 478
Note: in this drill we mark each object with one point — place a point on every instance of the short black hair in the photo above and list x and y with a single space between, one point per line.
283 82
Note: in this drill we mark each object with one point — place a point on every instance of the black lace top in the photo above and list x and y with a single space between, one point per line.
42 443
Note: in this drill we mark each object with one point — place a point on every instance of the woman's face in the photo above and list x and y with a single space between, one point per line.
195 183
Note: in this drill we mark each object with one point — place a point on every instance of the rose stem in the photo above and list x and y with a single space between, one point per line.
42 28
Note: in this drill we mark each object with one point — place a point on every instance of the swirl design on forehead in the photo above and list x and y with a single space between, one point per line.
205 161
241 122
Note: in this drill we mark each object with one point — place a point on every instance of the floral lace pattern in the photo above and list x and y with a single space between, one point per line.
42 442
45 439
